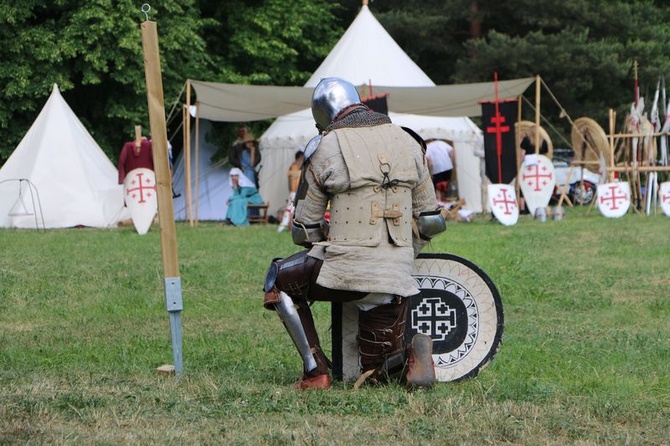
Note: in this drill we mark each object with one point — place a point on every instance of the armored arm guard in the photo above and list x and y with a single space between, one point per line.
306 235
429 224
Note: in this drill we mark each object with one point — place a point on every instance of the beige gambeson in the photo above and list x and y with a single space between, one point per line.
370 245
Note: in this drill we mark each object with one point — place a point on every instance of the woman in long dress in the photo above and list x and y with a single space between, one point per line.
244 193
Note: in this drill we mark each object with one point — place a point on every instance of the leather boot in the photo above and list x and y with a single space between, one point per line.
319 382
420 365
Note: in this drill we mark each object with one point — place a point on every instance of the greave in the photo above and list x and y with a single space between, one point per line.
289 316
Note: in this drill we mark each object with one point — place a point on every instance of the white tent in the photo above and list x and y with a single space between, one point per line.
366 54
210 184
58 177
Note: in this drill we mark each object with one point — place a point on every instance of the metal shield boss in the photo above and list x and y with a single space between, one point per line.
664 197
613 199
502 201
139 191
537 179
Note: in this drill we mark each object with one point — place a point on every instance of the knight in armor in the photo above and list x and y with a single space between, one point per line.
382 213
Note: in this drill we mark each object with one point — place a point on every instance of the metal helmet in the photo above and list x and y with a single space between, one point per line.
332 95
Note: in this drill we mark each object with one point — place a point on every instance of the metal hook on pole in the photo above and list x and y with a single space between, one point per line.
145 9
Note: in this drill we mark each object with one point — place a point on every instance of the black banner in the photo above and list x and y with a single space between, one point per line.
377 103
500 168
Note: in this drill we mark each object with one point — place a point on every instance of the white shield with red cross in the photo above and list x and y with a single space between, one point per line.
502 201
613 199
139 191
664 197
537 180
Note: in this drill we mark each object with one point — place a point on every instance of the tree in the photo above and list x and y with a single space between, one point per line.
583 49
267 42
572 46
93 51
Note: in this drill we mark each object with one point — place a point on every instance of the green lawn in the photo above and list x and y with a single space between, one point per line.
585 357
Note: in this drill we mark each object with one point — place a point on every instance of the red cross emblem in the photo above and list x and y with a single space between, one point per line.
498 128
611 199
538 176
507 204
141 188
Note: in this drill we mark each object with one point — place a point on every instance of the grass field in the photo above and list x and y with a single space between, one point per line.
585 357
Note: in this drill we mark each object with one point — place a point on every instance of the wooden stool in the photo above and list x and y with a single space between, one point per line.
258 217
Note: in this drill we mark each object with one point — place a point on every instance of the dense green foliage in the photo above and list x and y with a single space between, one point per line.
585 357
93 51
583 49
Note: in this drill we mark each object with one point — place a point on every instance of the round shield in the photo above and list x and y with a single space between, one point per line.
459 307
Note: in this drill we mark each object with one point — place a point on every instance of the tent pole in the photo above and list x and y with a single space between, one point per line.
538 92
184 117
197 159
612 130
517 141
187 154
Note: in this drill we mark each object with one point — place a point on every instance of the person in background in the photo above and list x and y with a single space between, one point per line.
440 156
244 154
293 179
374 175
528 144
244 193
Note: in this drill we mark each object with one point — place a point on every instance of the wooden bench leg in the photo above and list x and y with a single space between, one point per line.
261 217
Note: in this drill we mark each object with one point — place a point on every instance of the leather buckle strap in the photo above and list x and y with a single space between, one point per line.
377 212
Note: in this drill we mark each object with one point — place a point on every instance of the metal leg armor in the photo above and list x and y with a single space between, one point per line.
289 285
296 275
289 316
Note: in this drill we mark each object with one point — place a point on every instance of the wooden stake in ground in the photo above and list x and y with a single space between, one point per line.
173 297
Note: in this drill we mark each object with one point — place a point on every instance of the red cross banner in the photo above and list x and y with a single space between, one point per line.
613 199
537 180
664 197
498 120
139 190
502 202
